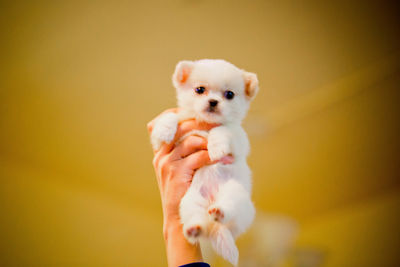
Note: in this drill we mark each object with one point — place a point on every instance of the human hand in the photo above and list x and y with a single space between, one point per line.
175 165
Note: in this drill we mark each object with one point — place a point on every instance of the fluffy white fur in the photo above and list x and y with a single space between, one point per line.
217 206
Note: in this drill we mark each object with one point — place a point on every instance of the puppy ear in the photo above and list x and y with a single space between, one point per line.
182 73
250 84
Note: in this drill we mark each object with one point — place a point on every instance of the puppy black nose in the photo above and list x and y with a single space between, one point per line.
213 102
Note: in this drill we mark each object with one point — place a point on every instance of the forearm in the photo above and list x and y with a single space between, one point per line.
175 165
179 250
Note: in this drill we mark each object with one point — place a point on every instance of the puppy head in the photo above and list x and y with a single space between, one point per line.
214 91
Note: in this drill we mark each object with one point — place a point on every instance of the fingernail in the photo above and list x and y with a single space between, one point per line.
227 160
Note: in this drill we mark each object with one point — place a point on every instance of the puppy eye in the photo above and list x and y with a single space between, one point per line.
229 94
200 90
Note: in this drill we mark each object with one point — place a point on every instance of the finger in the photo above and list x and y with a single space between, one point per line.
189 125
227 160
165 148
163 151
150 125
197 160
188 146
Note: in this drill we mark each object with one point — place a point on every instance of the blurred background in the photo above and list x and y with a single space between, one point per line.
79 80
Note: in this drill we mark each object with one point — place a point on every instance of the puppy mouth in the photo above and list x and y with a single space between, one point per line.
212 110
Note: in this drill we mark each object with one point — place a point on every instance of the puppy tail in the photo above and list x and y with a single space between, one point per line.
224 243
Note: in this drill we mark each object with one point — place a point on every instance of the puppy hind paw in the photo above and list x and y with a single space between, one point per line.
192 233
216 214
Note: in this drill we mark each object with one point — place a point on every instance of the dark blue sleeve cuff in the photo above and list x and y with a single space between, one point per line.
196 264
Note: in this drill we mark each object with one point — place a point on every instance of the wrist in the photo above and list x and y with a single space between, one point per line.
171 225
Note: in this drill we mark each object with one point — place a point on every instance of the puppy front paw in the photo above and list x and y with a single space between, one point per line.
164 130
217 150
219 143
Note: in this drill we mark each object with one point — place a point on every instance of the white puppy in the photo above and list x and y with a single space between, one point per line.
217 205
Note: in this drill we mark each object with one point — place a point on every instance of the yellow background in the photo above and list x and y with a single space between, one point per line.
79 80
